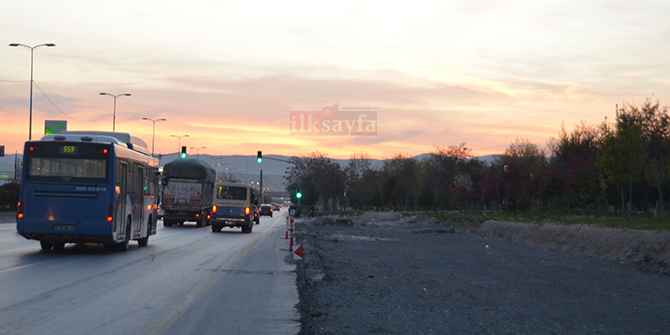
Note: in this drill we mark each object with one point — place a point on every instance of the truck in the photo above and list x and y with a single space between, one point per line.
188 190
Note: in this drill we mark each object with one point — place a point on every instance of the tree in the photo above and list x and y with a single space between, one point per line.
362 181
656 174
320 172
9 196
622 155
404 171
521 163
573 161
439 173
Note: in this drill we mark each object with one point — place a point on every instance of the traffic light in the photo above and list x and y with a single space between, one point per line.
183 152
259 157
2 150
298 193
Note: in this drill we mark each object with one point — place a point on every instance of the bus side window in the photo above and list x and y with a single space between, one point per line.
146 187
130 179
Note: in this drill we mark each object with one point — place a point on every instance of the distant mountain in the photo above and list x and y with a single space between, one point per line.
247 166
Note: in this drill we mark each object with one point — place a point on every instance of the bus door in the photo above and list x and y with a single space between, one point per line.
138 217
120 223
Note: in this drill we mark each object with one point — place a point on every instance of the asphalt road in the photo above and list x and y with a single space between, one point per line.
188 280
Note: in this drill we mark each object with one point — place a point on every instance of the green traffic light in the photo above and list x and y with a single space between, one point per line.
183 155
259 160
298 195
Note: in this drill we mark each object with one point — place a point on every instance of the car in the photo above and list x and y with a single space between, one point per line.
266 209
276 207
159 211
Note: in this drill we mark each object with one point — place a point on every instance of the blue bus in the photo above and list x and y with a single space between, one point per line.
88 187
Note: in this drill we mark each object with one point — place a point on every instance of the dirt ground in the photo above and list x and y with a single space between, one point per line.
387 273
648 250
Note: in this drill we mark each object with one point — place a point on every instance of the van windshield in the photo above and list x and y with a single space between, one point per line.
231 192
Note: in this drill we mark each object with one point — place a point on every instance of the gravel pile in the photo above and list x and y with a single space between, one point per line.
388 274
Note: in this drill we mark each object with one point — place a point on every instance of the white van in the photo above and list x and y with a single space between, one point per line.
234 205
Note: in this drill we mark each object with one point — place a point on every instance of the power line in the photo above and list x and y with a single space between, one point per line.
44 94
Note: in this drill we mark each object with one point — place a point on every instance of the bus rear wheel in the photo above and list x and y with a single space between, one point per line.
123 246
145 240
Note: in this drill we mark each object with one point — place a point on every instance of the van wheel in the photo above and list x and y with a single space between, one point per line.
249 227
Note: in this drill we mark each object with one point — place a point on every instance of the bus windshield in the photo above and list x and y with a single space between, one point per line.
231 193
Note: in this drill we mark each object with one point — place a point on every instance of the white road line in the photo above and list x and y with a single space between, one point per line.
21 267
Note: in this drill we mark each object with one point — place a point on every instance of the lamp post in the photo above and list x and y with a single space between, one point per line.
153 132
32 49
179 137
197 151
115 96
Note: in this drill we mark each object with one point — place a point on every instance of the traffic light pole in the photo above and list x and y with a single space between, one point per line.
260 157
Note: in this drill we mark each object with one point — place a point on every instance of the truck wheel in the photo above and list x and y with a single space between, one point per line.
167 222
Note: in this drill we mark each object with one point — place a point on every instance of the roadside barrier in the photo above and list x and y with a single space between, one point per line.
287 227
290 233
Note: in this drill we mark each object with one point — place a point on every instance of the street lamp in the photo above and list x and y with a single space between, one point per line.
153 132
30 127
115 96
179 137
197 150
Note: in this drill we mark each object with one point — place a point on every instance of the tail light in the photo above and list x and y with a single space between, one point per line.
214 209
209 216
110 210
255 215
19 210
247 211
197 215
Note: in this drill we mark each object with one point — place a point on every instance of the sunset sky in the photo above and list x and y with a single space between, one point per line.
226 72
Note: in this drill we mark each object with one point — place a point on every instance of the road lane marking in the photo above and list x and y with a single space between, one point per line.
21 267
